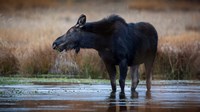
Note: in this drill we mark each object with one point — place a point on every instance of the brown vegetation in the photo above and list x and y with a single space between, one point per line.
178 56
158 5
26 37
38 61
8 62
12 5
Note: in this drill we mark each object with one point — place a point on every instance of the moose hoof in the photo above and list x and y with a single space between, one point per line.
134 94
122 95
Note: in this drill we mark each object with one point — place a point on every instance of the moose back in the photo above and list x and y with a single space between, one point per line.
118 43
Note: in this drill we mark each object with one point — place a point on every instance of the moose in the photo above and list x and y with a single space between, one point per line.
117 43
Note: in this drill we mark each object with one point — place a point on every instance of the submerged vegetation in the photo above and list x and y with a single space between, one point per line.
26 37
50 81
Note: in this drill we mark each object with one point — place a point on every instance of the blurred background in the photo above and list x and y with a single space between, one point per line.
28 28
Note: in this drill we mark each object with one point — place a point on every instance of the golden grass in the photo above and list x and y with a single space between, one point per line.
158 5
39 61
8 62
26 38
11 5
179 56
30 48
91 64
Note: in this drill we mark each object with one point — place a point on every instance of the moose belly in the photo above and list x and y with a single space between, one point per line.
111 58
108 57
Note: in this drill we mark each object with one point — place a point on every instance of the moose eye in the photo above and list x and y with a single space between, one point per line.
70 30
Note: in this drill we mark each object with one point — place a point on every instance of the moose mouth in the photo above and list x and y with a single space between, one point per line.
57 48
67 48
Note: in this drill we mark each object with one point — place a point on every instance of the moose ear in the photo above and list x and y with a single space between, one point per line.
81 21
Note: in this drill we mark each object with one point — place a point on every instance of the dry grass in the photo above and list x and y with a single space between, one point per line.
32 48
158 5
26 37
28 52
91 64
38 61
12 5
178 56
8 62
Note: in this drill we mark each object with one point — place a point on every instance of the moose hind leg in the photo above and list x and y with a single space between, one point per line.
112 74
134 77
148 72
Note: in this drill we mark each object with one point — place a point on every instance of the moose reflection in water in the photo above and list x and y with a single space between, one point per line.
123 104
118 43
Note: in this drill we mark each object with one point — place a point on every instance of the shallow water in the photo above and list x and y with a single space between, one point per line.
97 98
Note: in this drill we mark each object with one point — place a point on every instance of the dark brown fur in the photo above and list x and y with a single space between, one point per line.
118 43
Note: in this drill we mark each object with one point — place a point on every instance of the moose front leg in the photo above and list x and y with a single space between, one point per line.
112 74
123 72
134 77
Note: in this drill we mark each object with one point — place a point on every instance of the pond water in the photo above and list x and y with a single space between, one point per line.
174 97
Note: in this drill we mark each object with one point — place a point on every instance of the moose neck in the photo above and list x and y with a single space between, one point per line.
88 41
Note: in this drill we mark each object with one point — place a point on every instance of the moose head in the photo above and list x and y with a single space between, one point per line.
71 39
